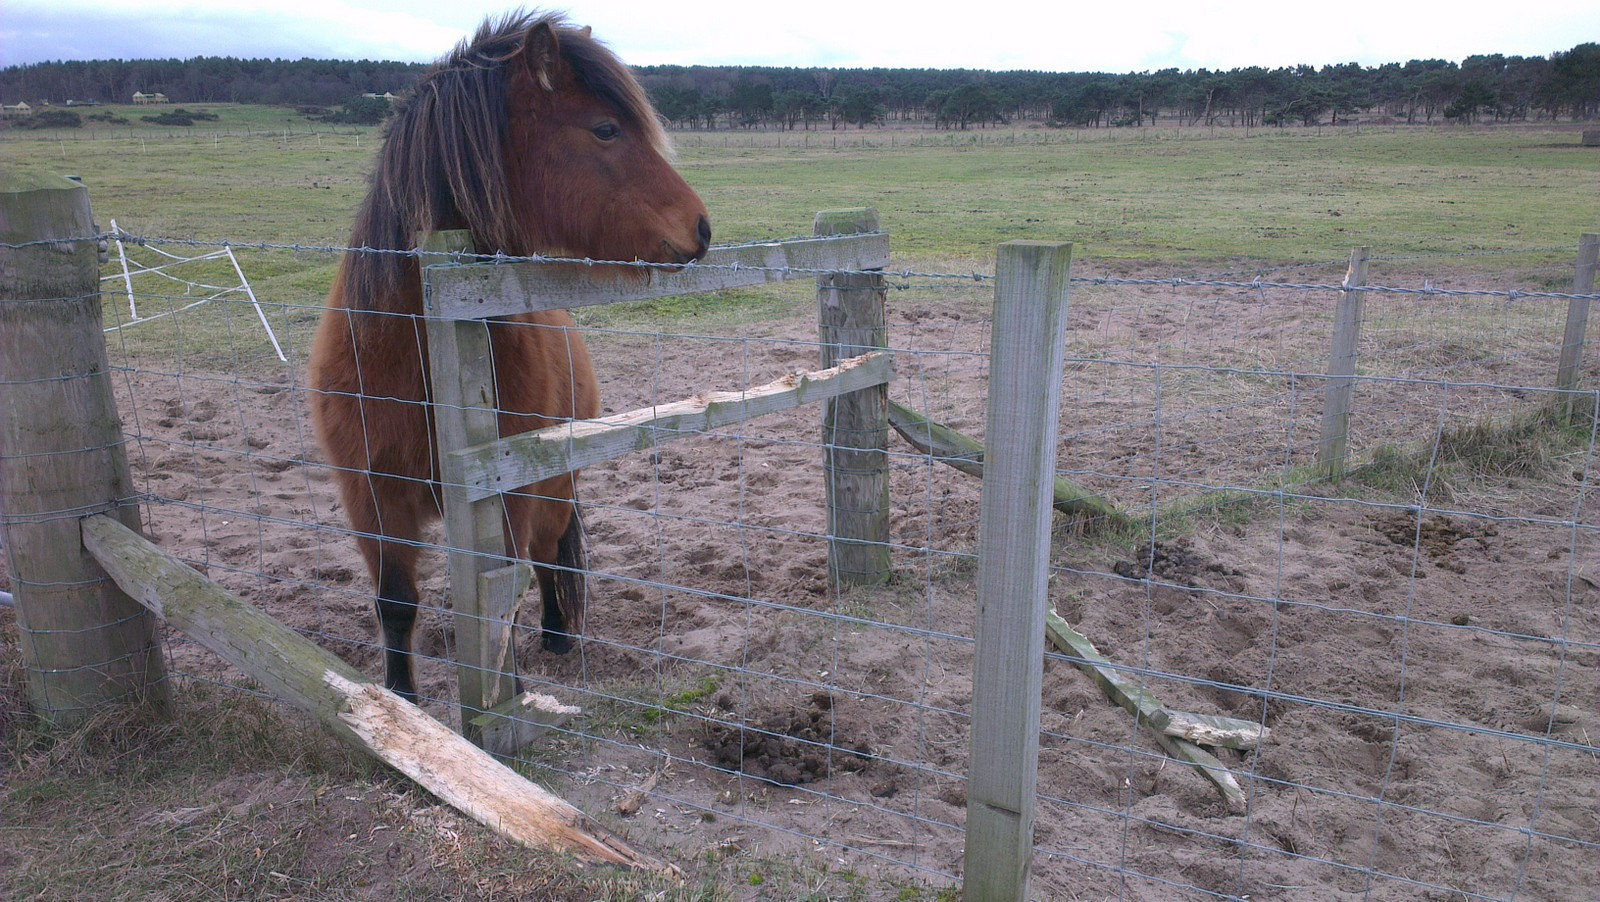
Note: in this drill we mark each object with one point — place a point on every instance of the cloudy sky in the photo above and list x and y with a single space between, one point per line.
1056 35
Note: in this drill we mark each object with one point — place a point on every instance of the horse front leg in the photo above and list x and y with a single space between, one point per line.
396 602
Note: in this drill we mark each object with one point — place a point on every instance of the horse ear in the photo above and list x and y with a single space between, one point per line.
588 31
541 53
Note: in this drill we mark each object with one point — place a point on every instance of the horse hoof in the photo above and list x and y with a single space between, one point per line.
558 643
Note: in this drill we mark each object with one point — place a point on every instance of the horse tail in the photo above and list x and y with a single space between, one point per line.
572 588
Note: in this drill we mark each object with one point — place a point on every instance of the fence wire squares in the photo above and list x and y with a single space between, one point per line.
1422 638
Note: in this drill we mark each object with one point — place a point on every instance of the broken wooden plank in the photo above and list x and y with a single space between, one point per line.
1211 730
1136 699
506 464
1209 767
965 453
291 667
472 782
1201 729
1144 706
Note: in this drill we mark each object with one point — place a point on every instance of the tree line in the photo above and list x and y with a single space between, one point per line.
206 79
1486 88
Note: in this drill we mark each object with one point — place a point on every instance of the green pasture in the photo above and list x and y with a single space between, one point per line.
1167 199
1158 202
1177 202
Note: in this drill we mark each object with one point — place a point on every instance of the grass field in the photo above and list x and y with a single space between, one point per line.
1169 198
290 814
1161 202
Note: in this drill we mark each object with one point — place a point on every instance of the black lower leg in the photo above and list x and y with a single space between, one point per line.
554 636
563 590
397 615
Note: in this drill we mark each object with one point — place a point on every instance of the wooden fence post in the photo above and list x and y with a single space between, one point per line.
855 427
1569 372
1332 450
84 642
1027 347
461 369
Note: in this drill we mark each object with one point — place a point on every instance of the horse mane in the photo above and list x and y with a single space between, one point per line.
441 164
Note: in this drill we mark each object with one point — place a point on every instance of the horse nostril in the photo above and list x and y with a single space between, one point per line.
703 228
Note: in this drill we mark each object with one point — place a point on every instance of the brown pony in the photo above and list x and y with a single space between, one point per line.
536 139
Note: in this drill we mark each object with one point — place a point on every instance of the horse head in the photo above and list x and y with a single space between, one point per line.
587 161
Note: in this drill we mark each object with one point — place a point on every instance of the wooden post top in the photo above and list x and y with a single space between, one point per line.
36 206
846 222
18 181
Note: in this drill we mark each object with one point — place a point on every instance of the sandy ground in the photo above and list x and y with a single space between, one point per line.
1432 679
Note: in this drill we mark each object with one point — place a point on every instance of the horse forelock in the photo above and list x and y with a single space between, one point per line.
596 68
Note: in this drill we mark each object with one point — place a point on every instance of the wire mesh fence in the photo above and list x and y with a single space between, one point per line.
1421 638
1410 634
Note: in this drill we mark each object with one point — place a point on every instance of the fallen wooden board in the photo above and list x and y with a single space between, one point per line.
1146 708
397 732
1202 729
472 781
1136 699
965 453
506 464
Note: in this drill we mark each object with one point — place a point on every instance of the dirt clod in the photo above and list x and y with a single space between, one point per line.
1438 536
792 749
1177 562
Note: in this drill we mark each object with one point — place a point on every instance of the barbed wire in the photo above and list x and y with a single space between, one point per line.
1257 284
464 258
1394 258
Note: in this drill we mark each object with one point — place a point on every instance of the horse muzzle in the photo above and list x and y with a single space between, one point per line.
672 253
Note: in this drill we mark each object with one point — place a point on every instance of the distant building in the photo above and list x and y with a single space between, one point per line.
140 98
15 110
384 96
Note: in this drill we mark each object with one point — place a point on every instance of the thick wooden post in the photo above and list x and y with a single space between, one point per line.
1025 370
461 369
84 643
855 427
1569 372
1333 448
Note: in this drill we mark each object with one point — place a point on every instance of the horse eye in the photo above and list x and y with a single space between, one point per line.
607 131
